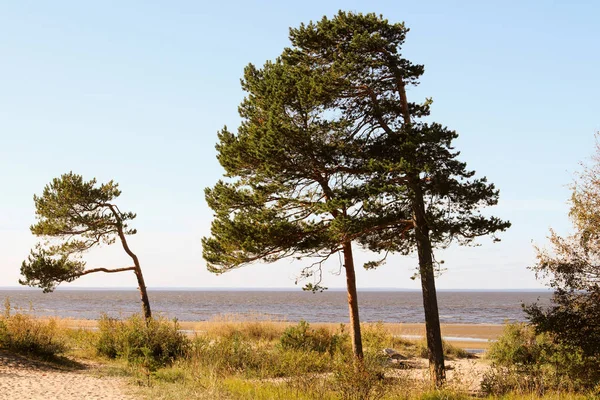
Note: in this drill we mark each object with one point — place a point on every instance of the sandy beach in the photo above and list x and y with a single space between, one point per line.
24 379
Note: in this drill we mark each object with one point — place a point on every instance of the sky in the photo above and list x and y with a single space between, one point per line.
136 91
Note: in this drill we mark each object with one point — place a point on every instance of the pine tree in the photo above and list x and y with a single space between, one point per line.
73 216
291 189
409 166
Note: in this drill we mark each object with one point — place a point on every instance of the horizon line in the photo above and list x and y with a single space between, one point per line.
279 289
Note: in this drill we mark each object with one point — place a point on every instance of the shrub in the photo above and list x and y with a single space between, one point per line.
525 362
24 334
153 342
303 337
245 326
359 380
376 337
231 354
237 355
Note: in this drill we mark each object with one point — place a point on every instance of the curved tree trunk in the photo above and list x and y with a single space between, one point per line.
137 269
140 277
352 301
435 350
143 294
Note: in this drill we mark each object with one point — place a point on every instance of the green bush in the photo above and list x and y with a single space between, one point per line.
153 343
524 362
303 337
25 334
231 354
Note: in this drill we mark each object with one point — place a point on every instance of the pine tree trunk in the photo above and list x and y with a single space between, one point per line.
435 350
143 293
136 262
352 301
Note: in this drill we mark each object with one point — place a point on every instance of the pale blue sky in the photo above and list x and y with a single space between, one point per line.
136 90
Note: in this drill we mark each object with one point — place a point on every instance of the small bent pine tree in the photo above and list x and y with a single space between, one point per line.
413 173
290 189
74 216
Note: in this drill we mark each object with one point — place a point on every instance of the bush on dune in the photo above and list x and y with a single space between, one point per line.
321 340
155 342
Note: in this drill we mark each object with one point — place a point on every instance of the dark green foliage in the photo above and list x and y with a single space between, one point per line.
518 347
303 337
73 216
45 270
573 320
289 194
71 206
399 156
154 342
324 154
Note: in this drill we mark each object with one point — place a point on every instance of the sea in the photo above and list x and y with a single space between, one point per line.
395 306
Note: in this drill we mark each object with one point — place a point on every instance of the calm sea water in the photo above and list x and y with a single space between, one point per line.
329 306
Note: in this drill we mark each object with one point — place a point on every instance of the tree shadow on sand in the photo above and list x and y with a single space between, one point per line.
14 360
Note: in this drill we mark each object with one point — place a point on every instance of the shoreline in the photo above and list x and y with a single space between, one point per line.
466 336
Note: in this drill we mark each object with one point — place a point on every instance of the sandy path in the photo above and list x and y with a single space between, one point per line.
24 379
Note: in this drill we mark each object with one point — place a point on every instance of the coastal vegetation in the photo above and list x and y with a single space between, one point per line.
330 155
230 359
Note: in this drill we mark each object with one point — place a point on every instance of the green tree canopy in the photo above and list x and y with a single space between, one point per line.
73 216
412 170
291 190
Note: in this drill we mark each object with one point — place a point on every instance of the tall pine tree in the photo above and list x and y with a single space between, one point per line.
410 169
291 188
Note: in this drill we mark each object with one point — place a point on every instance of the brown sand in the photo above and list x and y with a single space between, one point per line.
463 374
24 379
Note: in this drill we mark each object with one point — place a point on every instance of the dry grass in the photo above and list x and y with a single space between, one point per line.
236 357
259 326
